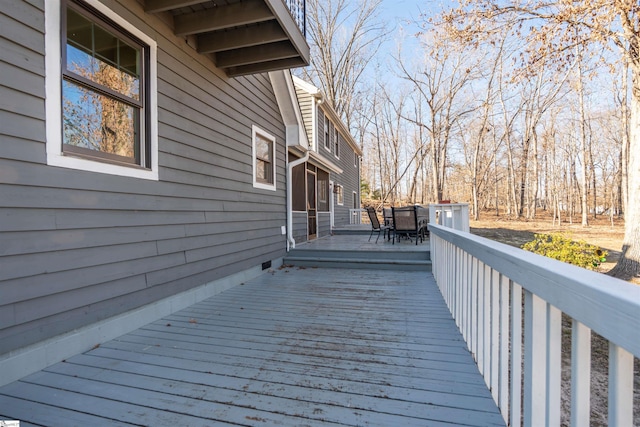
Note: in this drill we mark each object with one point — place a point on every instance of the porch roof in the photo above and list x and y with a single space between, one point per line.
242 37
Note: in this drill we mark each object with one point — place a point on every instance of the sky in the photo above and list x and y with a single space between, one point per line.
400 16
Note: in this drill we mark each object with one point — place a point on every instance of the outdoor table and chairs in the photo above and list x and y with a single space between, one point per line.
408 221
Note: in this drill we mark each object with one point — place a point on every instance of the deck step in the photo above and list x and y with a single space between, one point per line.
371 260
359 263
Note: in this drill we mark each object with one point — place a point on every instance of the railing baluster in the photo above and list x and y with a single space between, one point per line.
620 386
535 360
473 302
495 335
486 340
503 388
466 309
554 364
580 374
480 324
516 354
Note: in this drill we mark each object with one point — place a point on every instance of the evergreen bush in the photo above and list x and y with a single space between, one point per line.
563 248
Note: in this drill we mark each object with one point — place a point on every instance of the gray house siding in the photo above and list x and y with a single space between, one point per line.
300 226
350 181
324 224
350 177
77 247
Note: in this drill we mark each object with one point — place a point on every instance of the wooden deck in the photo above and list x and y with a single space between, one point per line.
296 346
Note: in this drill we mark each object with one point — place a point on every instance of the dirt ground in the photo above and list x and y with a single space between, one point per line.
600 232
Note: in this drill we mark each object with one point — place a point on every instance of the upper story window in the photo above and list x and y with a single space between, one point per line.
336 142
264 163
327 134
355 159
105 117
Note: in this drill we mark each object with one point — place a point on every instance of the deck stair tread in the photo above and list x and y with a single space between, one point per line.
353 251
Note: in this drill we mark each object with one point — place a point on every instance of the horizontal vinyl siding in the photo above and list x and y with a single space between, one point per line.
324 224
350 181
77 247
300 226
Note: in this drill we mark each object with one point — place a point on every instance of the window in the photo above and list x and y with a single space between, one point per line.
336 142
355 159
339 194
101 96
355 205
327 134
264 163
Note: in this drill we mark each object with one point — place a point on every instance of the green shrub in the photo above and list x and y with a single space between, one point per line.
562 248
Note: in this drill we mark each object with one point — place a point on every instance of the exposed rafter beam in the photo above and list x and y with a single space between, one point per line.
263 67
248 12
157 6
268 32
255 54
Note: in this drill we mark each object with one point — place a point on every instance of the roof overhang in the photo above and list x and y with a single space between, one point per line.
242 37
324 162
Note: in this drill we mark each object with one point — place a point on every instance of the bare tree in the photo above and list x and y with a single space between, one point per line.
440 80
345 36
551 30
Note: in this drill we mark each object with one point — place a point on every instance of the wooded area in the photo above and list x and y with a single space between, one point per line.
513 107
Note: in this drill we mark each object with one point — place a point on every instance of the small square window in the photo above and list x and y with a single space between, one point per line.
339 195
264 159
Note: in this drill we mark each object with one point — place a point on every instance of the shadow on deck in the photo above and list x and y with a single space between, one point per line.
296 346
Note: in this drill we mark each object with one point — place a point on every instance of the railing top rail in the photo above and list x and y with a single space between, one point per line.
609 306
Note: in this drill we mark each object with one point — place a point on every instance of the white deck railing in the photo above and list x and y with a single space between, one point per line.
358 216
508 304
452 215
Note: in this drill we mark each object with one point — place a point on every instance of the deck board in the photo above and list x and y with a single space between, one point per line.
295 346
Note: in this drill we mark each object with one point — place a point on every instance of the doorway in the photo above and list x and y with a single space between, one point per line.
311 205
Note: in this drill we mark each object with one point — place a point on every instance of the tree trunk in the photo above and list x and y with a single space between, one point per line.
584 194
628 265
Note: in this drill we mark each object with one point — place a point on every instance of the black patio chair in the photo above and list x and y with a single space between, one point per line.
388 217
405 223
375 224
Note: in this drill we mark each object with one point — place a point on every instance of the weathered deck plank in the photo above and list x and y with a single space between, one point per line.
292 347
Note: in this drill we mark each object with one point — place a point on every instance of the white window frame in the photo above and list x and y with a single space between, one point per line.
340 195
255 131
355 159
336 143
53 102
